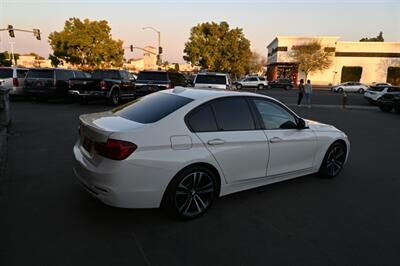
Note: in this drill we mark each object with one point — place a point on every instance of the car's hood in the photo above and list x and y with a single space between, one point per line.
317 126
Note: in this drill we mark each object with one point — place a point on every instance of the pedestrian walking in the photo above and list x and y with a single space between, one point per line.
307 93
301 92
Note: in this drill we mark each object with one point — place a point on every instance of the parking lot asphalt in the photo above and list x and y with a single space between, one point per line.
46 218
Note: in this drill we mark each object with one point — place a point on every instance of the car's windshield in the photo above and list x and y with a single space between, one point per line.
6 73
210 79
39 73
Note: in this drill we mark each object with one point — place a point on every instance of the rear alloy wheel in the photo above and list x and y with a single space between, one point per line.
239 86
333 161
386 109
340 90
191 193
260 86
115 97
288 87
360 90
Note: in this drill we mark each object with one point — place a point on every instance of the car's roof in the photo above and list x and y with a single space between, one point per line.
198 94
213 73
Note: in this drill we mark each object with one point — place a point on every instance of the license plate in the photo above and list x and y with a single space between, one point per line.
87 144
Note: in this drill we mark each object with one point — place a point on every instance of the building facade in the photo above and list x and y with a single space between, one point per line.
365 62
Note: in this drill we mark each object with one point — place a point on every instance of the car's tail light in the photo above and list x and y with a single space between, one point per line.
15 82
103 85
115 149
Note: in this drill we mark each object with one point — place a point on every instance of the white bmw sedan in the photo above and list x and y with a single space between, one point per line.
183 148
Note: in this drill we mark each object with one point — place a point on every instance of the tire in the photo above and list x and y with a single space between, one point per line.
340 90
238 86
386 109
288 87
191 193
115 96
333 161
260 86
361 90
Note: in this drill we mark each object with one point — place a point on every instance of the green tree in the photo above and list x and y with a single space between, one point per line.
378 38
37 57
5 59
256 64
55 61
311 57
216 47
87 44
176 67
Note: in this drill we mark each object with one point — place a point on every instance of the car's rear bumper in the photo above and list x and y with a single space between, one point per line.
121 183
99 94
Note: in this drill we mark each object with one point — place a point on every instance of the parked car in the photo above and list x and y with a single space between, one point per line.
350 87
109 84
45 83
381 84
13 79
390 101
374 93
152 81
281 83
213 80
182 148
252 82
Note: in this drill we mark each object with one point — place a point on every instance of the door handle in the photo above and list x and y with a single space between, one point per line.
275 140
215 142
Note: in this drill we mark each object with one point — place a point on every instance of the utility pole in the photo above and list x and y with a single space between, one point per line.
159 48
13 63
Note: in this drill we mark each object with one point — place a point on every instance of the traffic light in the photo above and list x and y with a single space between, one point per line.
10 29
36 33
159 50
131 47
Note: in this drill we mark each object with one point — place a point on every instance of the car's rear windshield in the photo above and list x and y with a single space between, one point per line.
6 73
41 74
151 108
161 76
380 88
210 79
106 74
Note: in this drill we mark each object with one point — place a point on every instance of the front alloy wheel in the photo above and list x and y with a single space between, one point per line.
191 193
334 160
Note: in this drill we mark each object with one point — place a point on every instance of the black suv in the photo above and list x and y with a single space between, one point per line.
390 101
152 81
44 83
281 83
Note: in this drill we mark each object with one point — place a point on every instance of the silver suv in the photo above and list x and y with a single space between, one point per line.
252 82
209 80
13 78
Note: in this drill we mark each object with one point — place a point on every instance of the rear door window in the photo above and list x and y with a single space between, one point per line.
64 74
233 114
151 108
202 120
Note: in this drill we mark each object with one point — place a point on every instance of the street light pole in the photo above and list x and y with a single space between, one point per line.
12 54
159 43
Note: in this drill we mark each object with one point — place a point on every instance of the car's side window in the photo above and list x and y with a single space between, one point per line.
202 119
274 116
233 114
21 73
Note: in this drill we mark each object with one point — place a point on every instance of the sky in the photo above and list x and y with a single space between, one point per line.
261 20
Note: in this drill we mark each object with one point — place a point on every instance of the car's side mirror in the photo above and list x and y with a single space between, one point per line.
301 124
